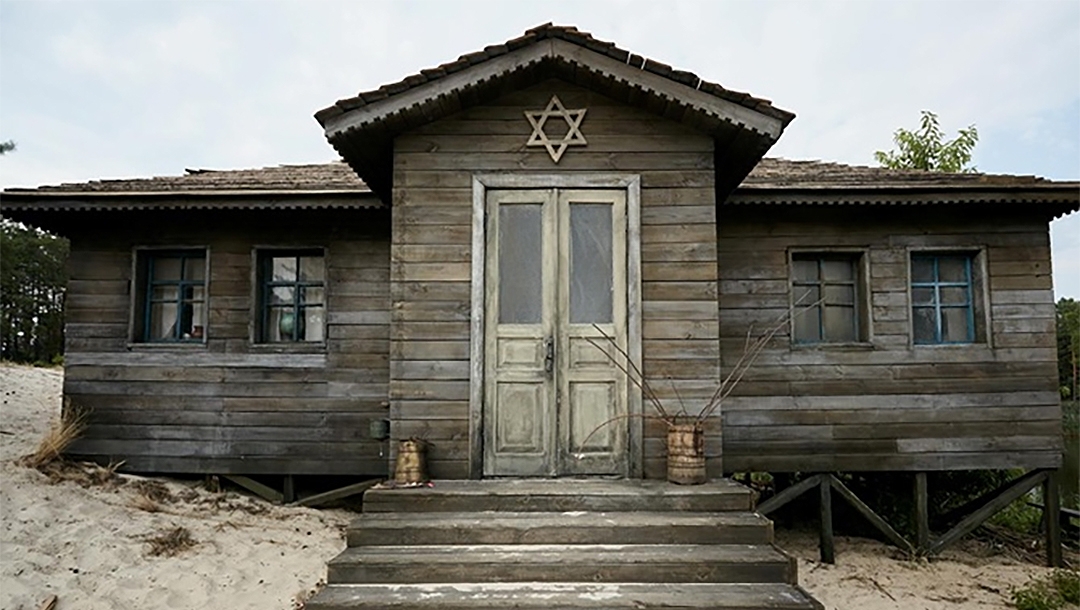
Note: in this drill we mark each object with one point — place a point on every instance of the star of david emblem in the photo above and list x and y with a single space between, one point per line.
555 109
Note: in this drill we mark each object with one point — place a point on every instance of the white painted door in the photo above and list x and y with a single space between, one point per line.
556 273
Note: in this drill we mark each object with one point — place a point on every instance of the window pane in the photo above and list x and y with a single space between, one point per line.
197 321
520 264
952 269
954 295
283 269
922 296
166 268
195 268
807 324
805 270
313 324
283 323
163 293
840 323
311 269
281 295
954 325
922 269
590 263
806 296
194 293
312 295
838 270
162 321
925 324
840 295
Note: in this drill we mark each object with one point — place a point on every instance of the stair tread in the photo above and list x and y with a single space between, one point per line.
585 596
568 519
559 494
586 554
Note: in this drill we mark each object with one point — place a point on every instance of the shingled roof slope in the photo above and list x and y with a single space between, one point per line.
569 34
336 176
770 173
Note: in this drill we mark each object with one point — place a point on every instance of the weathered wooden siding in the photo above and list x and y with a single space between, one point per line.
431 257
888 405
231 406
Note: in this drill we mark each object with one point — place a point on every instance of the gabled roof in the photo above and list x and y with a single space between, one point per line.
362 128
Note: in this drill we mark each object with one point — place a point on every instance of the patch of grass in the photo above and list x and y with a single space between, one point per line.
170 542
1052 592
61 434
1019 517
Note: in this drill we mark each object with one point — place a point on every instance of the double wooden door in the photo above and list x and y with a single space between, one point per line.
555 404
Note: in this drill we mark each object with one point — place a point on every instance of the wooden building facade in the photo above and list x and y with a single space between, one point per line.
499 215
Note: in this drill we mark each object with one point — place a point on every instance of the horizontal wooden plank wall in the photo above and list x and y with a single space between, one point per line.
889 405
229 406
431 257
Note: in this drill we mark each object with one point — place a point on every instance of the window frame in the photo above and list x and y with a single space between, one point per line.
978 317
863 321
141 284
261 255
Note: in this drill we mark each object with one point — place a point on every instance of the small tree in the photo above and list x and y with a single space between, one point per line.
6 147
926 150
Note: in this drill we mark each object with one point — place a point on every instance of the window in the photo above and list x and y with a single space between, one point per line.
942 298
171 296
826 296
292 296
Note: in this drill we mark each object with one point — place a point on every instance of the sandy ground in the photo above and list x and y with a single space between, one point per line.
87 544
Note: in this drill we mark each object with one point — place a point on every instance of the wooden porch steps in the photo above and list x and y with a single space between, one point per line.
570 544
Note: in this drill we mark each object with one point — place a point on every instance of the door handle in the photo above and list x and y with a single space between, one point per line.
549 356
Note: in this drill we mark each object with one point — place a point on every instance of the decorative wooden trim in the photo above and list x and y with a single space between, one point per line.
480 183
561 50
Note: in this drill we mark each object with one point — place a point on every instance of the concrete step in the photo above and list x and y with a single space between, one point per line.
561 495
565 596
648 563
474 528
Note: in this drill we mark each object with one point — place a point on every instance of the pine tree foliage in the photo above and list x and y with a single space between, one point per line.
33 278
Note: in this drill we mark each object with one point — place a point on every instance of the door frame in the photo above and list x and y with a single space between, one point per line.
631 184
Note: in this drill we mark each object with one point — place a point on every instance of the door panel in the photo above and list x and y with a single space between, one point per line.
556 277
519 397
592 237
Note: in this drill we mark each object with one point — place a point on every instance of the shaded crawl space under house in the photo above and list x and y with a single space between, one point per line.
494 213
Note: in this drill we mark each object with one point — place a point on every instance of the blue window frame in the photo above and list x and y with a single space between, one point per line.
172 296
826 298
942 298
292 296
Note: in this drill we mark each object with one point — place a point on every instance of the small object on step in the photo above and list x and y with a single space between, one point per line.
411 466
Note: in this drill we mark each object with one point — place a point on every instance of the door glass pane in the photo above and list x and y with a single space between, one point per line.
520 264
590 263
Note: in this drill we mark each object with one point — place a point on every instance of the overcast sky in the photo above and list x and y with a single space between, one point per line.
123 89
